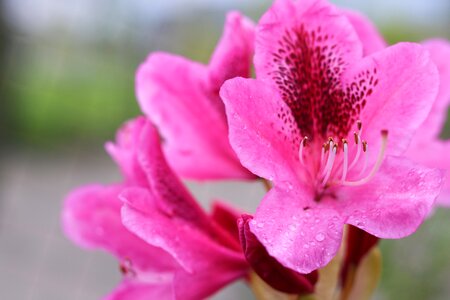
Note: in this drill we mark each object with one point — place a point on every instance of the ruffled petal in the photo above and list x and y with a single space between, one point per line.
124 151
91 219
173 93
268 268
433 125
170 195
258 131
394 203
134 290
188 245
234 52
314 20
210 276
226 217
301 234
372 41
397 87
433 154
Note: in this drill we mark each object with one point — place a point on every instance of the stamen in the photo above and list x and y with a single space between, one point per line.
300 151
344 167
329 165
322 154
366 154
358 151
330 148
376 167
359 125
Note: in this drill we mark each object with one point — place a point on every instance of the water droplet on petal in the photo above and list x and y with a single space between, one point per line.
320 237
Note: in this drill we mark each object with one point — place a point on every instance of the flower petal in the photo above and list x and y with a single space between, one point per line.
234 52
399 85
188 245
170 195
371 39
134 290
257 133
226 217
91 219
209 277
189 116
301 234
315 16
433 125
394 203
124 151
268 268
433 154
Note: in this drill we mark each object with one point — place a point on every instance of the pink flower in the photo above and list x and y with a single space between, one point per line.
185 253
182 98
165 215
426 147
328 126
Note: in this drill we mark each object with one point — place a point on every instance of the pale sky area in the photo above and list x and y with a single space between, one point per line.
41 15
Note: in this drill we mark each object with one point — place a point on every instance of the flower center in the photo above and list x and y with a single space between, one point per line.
339 162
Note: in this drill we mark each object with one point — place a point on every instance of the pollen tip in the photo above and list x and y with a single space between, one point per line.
305 141
356 138
364 144
359 124
384 132
344 141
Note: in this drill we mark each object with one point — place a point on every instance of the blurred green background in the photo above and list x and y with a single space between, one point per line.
67 82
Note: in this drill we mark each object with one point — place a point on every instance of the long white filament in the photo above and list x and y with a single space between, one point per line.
329 166
376 166
358 151
330 148
300 151
345 165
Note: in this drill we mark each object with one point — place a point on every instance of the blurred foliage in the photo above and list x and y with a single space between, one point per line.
418 267
70 94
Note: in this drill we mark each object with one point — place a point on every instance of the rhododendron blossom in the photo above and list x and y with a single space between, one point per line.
328 125
92 219
426 147
182 98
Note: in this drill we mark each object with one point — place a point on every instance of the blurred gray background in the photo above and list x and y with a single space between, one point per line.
66 84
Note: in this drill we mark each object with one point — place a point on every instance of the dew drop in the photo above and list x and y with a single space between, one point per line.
320 237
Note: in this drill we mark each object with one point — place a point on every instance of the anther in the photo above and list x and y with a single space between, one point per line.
377 165
356 138
303 144
364 146
359 125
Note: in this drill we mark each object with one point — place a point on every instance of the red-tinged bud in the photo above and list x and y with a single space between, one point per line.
358 244
268 268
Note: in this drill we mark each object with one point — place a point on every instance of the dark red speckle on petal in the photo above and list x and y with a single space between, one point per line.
307 70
